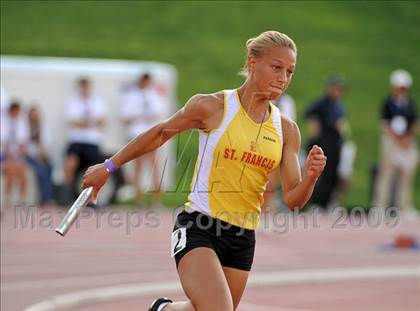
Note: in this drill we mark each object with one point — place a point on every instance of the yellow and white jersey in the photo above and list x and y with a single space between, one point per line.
233 163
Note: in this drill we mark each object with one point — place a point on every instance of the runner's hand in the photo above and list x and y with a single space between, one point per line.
315 162
95 176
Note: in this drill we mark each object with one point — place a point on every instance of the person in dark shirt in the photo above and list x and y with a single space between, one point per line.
399 153
326 120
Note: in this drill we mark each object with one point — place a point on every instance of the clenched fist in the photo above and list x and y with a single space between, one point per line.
315 162
96 176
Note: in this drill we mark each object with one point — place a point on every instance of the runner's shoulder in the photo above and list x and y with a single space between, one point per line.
205 104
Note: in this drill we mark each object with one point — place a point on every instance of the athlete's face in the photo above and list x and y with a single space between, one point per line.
272 72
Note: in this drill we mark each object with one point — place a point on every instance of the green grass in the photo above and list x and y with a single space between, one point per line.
205 41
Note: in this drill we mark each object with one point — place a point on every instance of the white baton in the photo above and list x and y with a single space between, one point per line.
81 201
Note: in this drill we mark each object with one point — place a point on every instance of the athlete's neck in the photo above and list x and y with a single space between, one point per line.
255 103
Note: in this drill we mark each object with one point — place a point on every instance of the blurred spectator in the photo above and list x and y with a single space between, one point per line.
326 123
37 155
287 107
14 137
4 113
86 117
140 111
344 172
399 153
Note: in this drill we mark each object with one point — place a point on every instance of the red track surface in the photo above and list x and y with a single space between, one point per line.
37 264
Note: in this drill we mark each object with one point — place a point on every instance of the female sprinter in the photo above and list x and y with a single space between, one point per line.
242 138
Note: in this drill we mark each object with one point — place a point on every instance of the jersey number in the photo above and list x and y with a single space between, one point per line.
178 241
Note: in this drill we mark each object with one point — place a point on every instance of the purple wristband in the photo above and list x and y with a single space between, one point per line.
110 167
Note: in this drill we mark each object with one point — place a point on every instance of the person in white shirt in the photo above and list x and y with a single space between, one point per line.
14 138
399 150
287 106
140 110
4 113
86 119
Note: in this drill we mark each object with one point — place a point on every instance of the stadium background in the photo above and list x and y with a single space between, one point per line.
205 41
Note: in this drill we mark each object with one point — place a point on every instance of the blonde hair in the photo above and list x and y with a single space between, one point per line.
258 45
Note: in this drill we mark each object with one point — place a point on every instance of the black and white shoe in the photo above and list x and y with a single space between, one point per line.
159 304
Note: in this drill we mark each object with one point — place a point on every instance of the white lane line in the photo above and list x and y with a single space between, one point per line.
246 306
332 275
75 281
112 293
104 294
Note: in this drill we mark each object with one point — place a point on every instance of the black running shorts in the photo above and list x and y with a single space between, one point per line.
233 245
88 154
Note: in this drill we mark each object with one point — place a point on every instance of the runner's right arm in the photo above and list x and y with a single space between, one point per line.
193 115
